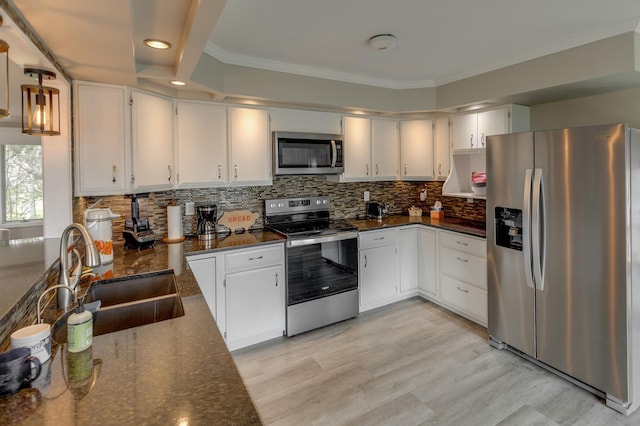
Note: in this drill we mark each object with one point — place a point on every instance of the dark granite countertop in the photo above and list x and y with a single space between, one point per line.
169 372
464 226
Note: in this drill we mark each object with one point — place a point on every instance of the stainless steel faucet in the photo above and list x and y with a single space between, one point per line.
91 258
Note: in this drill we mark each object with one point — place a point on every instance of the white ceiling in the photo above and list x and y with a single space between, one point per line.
437 41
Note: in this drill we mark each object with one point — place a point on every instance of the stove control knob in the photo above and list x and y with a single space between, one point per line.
324 201
280 204
318 202
272 205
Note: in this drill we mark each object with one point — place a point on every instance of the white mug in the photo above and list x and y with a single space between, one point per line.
36 337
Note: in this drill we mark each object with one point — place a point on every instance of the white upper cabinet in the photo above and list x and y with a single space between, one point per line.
102 139
370 149
384 149
297 120
152 142
201 144
441 151
357 148
470 130
249 146
416 150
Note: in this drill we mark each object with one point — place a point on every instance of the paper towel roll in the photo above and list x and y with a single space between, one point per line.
174 222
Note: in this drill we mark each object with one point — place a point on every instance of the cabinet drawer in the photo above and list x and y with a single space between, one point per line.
464 267
465 244
243 260
467 298
370 239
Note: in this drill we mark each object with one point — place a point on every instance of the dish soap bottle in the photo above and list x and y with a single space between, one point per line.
79 330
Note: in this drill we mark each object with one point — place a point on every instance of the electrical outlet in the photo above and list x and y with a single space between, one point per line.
366 195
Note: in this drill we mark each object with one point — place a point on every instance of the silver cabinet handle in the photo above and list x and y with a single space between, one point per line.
325 288
439 169
170 173
462 260
219 171
462 243
255 258
376 169
113 174
365 260
405 169
235 171
462 290
378 239
482 140
276 279
471 140
366 173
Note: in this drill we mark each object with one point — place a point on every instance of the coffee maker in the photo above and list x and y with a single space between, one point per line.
137 233
207 216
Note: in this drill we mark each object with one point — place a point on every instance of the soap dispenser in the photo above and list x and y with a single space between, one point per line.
79 329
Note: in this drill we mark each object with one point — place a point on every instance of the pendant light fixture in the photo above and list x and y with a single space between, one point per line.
40 105
4 54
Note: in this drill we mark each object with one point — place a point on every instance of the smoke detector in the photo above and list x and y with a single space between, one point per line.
382 42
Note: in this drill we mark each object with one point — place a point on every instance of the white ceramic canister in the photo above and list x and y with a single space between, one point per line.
98 223
36 337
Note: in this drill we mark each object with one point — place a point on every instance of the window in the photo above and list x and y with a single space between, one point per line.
22 182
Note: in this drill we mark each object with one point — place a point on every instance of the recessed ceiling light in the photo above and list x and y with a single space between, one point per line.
157 44
178 83
382 42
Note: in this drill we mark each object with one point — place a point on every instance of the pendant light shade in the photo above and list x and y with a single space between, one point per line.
40 105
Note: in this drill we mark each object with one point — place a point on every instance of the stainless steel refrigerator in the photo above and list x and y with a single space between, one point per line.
563 213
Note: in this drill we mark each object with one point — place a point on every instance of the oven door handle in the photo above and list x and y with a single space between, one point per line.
324 239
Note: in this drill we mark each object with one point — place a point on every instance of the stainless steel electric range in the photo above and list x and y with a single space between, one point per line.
321 262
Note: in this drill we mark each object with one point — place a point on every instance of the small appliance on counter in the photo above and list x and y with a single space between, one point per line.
207 216
137 233
376 210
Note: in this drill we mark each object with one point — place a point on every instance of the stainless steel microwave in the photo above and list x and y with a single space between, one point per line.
298 153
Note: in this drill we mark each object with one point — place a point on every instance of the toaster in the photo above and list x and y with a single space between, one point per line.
376 210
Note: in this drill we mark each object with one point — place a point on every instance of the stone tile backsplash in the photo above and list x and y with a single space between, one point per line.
346 200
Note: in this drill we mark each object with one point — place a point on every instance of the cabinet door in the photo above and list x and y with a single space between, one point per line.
408 259
416 147
357 148
101 140
152 141
378 275
493 122
298 120
202 144
427 261
441 152
250 146
464 130
204 270
385 142
255 306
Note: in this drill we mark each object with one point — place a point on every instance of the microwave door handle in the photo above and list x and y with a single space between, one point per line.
334 151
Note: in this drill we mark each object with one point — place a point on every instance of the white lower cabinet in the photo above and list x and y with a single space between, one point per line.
379 269
255 306
408 245
463 275
426 258
245 291
204 270
254 295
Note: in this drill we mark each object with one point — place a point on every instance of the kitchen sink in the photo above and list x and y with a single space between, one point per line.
129 302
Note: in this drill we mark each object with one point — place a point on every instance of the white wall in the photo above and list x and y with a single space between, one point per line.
622 106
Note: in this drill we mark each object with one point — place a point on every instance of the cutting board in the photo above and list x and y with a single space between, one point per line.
238 219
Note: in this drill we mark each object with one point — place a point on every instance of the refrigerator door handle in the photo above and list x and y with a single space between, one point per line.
537 224
526 228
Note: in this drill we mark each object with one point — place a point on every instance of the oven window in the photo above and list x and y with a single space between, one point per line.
320 270
304 154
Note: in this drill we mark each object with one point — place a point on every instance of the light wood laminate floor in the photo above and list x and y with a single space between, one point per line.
410 363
